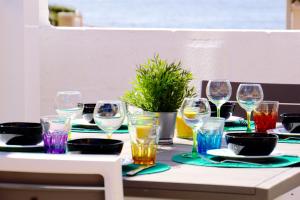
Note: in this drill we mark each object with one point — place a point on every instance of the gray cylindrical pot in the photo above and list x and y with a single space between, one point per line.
167 122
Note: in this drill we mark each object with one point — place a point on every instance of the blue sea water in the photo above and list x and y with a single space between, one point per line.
211 14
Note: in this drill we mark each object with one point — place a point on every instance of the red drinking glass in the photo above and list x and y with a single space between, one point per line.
265 116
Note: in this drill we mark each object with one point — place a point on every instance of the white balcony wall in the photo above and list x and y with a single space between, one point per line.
101 62
37 60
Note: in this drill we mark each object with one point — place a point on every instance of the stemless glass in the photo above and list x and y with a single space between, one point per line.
265 116
109 115
68 104
193 111
249 97
218 92
55 133
143 129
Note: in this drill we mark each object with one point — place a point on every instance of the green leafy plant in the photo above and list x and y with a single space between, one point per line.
159 86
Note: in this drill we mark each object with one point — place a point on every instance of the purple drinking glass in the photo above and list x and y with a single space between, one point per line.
55 133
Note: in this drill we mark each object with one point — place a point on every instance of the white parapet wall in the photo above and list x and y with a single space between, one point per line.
37 60
101 62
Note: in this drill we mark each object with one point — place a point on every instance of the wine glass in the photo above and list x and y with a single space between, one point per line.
194 111
218 92
249 97
109 115
68 104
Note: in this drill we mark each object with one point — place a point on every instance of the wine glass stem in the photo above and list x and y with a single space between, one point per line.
194 149
69 135
109 135
218 111
248 121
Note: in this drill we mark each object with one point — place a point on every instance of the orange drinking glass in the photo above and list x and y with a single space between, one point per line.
143 130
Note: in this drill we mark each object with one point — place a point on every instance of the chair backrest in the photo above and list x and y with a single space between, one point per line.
34 176
286 94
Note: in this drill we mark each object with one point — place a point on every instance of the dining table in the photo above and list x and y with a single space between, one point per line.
189 182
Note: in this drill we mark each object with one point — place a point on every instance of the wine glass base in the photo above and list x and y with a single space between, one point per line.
194 154
109 136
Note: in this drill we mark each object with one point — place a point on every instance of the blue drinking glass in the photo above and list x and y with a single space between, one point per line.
209 135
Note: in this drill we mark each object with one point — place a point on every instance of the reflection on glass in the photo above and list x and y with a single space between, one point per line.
218 92
109 116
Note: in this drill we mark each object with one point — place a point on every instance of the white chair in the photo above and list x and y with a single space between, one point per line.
18 164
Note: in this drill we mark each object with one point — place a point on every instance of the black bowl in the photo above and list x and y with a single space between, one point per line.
20 133
95 146
226 109
87 113
251 144
89 107
291 122
21 128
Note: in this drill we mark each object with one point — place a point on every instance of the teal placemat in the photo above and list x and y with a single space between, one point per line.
290 141
240 125
281 161
94 129
159 167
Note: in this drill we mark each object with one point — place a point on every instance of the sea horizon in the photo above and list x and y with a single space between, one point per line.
186 14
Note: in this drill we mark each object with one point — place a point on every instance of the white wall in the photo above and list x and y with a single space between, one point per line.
101 62
19 63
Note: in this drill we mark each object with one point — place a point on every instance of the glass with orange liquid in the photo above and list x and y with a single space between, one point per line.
143 130
183 130
265 116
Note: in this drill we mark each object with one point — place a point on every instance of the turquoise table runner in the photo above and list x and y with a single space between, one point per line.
290 141
240 125
281 161
94 129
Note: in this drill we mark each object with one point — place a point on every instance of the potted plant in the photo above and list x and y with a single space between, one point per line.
161 87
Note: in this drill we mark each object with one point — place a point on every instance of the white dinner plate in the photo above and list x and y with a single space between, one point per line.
127 161
22 148
234 118
283 132
227 153
3 145
81 121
